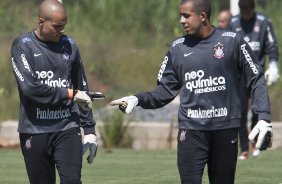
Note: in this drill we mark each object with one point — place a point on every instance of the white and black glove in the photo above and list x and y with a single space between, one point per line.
82 99
126 104
261 134
90 142
272 73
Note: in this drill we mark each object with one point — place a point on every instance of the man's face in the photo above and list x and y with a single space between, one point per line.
52 29
223 20
189 19
247 13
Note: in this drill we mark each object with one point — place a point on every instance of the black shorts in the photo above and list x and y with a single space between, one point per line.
218 149
42 152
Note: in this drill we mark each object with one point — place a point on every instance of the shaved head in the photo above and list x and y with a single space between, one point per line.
48 8
52 19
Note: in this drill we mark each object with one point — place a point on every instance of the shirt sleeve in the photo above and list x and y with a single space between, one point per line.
271 47
168 87
255 81
29 85
79 80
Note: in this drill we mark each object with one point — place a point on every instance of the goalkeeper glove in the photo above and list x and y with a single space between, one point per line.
90 142
272 73
126 104
82 99
262 135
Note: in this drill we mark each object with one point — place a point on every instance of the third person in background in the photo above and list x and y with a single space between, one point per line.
257 30
223 19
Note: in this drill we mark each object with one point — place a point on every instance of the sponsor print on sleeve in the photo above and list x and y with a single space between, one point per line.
162 69
249 59
18 73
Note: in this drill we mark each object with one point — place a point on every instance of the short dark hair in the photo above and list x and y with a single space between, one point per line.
246 4
200 6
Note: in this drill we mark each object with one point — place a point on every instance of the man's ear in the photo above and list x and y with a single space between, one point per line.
203 16
41 21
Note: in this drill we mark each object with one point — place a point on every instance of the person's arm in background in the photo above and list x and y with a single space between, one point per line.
271 49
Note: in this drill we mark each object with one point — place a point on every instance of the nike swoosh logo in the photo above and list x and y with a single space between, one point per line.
188 54
35 55
233 141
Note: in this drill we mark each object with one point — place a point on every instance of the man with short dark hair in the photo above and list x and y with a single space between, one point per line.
257 30
54 102
205 68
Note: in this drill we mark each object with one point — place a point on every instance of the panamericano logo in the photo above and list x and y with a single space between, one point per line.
207 113
198 83
52 114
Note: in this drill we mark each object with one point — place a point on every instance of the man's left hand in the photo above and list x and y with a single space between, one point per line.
262 134
90 142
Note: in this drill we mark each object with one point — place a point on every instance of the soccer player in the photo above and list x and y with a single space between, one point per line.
257 30
205 67
54 103
223 19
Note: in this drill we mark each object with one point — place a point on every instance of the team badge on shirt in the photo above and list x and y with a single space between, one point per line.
256 28
182 136
218 51
65 56
28 143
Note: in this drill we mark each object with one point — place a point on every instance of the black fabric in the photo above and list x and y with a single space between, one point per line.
259 33
216 149
42 152
44 72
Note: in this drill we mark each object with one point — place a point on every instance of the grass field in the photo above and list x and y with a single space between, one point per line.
145 167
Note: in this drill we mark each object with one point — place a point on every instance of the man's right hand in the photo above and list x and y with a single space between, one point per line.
126 104
82 99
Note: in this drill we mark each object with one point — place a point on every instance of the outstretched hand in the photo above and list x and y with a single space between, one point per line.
126 104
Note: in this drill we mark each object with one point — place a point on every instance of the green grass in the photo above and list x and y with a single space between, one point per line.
125 166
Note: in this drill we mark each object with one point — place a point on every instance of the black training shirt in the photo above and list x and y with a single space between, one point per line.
44 71
207 73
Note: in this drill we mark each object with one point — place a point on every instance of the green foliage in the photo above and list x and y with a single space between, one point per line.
122 43
114 131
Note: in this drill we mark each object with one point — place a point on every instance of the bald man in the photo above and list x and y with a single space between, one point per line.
223 19
54 103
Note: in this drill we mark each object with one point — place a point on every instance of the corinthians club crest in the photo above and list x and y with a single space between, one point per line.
218 51
182 136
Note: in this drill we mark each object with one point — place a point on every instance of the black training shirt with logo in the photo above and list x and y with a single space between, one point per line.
207 73
259 34
44 71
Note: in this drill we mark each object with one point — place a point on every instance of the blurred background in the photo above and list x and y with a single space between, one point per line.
122 43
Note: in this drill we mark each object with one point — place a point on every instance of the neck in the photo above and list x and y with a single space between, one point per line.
206 31
38 35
